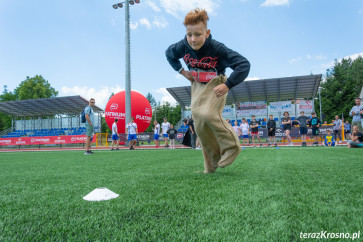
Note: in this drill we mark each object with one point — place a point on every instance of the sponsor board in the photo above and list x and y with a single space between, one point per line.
71 139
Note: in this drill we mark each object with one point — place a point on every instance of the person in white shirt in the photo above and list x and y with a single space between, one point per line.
245 130
156 133
131 130
165 127
237 129
115 135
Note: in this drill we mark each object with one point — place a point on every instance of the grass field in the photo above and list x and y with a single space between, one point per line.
267 194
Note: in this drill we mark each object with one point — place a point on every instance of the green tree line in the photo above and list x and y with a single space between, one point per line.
343 83
31 88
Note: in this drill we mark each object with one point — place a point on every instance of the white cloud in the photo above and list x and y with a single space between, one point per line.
179 76
272 3
252 79
330 64
153 6
100 95
294 60
353 57
177 7
315 57
146 22
166 96
160 22
113 22
133 25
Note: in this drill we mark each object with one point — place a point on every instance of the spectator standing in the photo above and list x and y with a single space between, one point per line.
165 127
286 122
172 133
245 130
337 128
271 130
303 123
156 133
357 113
315 124
90 117
193 135
131 130
254 130
115 135
237 129
357 138
347 129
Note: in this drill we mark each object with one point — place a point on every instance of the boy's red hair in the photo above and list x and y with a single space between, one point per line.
195 16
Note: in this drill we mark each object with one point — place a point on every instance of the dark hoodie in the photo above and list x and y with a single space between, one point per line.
211 54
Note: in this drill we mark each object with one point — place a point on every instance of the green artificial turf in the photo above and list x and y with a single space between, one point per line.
267 194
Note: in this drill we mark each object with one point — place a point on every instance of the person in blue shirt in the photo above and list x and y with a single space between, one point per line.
329 139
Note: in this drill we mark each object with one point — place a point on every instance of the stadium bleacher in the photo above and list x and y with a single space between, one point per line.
46 132
183 128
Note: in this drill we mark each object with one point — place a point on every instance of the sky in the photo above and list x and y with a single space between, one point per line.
79 46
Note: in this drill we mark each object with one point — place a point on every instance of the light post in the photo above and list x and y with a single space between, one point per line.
127 57
319 90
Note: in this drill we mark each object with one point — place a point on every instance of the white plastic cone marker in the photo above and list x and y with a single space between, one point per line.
100 194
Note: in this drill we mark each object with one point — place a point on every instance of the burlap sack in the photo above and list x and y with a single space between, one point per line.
220 144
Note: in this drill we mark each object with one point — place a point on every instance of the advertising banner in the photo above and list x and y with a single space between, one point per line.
280 106
227 111
251 108
46 140
306 106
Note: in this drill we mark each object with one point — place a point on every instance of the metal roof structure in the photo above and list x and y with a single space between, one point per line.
46 106
270 90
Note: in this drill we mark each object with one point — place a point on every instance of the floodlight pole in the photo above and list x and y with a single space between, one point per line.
127 57
319 90
127 65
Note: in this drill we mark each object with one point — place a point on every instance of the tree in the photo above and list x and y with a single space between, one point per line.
35 88
343 84
173 114
31 88
151 100
5 120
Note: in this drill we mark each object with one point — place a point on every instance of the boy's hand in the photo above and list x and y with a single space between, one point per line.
220 90
187 75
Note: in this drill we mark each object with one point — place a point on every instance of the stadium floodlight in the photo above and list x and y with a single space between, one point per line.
127 62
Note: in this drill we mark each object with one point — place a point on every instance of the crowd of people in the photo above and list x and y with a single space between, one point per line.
338 126
352 132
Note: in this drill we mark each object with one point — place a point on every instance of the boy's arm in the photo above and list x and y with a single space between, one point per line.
239 64
173 54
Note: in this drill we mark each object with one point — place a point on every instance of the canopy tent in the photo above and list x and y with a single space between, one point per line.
46 107
269 90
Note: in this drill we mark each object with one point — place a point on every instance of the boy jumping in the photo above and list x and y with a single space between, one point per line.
207 61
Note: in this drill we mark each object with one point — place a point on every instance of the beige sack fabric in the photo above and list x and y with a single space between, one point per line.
220 144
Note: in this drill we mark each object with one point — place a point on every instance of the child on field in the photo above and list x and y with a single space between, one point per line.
271 130
254 130
315 124
172 133
329 139
207 60
237 129
245 130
